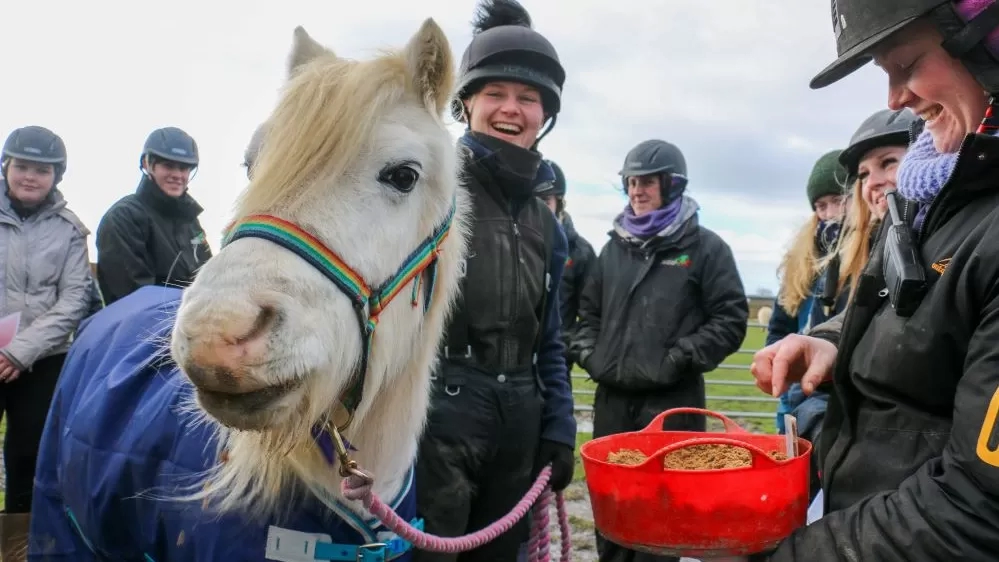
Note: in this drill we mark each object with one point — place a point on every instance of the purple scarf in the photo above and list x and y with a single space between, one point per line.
652 223
923 173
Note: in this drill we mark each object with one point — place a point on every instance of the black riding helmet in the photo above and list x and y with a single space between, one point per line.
883 128
860 26
657 157
504 47
170 143
554 187
36 144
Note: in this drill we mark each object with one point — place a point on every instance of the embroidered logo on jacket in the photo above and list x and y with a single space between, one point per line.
196 243
682 260
568 262
941 265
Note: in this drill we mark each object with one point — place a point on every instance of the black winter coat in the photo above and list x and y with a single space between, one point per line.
149 238
655 313
910 444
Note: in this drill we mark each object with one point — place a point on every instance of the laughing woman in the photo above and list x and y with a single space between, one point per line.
909 446
501 407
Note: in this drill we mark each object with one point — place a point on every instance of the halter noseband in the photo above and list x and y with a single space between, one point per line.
368 303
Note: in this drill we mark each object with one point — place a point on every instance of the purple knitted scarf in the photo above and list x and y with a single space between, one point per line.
651 223
923 172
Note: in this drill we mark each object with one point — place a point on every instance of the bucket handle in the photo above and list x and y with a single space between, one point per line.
756 452
656 426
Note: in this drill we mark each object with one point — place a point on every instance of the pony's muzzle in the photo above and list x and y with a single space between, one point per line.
221 357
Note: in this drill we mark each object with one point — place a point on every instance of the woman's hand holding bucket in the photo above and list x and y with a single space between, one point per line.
795 358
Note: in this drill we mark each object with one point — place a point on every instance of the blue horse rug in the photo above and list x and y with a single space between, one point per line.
116 443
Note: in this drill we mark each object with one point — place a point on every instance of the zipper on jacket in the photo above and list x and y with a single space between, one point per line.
946 185
515 289
21 234
650 261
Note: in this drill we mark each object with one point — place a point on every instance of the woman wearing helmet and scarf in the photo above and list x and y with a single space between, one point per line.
909 446
501 407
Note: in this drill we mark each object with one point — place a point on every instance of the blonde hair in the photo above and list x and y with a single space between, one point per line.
798 268
854 247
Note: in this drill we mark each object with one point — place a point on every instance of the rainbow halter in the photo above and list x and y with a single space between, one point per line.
368 303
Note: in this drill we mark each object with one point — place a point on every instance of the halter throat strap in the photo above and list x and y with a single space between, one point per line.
368 303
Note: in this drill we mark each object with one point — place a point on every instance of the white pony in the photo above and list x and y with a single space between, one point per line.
354 200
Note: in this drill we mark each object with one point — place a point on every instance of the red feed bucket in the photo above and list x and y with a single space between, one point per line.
696 513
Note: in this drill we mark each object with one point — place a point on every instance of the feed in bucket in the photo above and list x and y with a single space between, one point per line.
695 457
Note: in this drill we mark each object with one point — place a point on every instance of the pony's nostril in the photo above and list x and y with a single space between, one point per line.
264 321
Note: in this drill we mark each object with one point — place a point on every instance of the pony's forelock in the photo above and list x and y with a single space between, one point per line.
325 119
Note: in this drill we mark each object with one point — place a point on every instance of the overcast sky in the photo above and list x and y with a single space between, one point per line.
725 80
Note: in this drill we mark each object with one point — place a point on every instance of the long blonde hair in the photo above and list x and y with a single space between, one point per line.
798 268
854 246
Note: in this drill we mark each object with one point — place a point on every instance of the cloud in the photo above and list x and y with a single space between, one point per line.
727 81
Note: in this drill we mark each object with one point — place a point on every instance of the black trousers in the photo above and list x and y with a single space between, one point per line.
618 411
25 402
476 458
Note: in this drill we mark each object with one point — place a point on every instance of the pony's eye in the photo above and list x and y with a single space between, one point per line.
402 177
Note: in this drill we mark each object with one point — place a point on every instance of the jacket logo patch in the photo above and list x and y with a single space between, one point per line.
941 265
682 260
568 262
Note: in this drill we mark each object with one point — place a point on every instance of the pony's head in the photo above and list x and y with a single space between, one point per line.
354 199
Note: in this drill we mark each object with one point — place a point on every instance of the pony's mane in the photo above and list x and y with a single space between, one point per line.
323 121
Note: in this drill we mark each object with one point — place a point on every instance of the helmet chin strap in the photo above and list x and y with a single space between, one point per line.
551 125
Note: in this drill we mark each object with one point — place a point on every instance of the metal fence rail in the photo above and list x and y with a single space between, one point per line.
761 399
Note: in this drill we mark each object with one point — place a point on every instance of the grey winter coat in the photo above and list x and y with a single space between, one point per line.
46 277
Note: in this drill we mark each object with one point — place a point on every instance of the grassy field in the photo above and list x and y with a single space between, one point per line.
730 397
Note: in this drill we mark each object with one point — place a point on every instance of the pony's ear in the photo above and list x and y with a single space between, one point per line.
428 56
304 48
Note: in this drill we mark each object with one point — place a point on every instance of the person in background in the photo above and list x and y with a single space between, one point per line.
153 236
500 408
802 281
664 305
804 286
577 265
46 280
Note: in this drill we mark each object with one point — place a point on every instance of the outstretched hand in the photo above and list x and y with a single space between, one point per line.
795 358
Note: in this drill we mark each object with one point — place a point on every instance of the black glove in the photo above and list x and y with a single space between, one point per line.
583 356
563 462
676 362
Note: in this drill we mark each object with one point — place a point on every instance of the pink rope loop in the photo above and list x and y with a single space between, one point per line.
356 488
